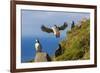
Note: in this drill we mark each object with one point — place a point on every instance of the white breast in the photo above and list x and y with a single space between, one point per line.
55 30
37 46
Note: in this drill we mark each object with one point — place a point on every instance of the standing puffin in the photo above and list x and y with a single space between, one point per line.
59 51
40 56
55 30
38 46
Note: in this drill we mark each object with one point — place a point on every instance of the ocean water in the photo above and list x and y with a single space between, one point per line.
49 45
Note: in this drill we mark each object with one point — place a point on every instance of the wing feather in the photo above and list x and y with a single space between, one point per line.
63 26
46 29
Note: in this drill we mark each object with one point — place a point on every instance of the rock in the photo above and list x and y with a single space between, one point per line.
42 57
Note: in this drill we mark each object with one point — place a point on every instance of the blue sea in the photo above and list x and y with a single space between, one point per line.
49 45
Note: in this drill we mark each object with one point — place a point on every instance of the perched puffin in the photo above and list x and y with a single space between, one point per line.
59 51
40 56
55 30
38 46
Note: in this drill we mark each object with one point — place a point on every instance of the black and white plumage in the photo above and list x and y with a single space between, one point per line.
59 51
55 29
73 24
38 46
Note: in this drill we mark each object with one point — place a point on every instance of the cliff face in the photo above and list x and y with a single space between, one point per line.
76 45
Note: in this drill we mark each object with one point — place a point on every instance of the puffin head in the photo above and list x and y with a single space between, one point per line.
37 41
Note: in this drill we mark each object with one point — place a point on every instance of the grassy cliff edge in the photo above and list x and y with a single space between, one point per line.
76 45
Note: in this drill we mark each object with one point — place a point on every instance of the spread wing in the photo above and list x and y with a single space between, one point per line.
63 26
46 29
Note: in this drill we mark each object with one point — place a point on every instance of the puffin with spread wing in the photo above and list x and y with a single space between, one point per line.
55 29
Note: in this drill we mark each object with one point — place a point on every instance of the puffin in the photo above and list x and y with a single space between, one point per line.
55 29
40 56
59 51
38 46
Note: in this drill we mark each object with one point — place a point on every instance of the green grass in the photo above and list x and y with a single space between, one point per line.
76 45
